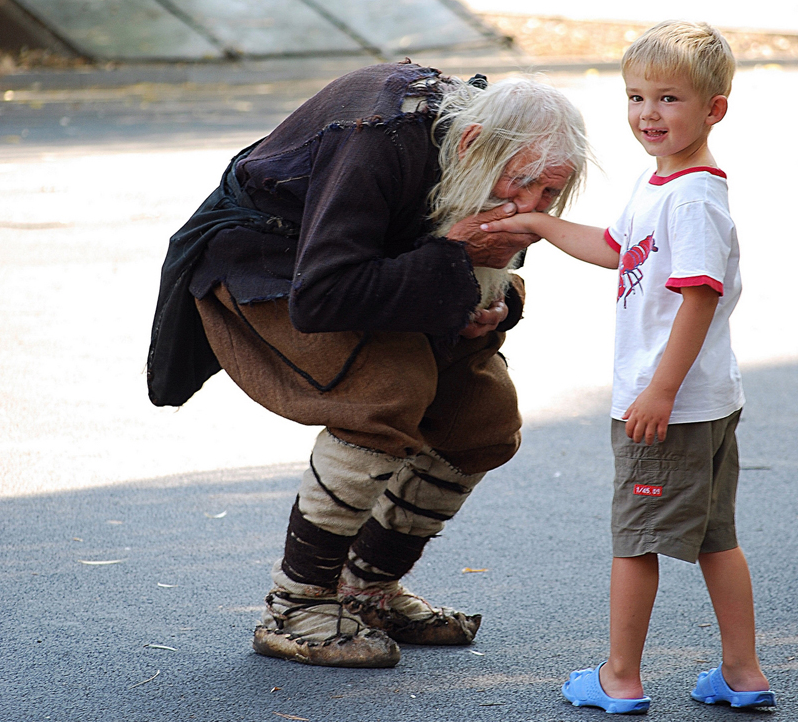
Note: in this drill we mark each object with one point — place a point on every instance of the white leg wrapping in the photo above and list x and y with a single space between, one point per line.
304 621
342 484
425 493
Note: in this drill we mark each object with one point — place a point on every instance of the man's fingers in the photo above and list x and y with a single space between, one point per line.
468 229
485 320
496 214
491 316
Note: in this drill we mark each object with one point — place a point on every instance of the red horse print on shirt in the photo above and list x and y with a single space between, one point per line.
630 270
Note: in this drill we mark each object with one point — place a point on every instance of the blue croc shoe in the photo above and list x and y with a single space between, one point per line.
711 688
583 689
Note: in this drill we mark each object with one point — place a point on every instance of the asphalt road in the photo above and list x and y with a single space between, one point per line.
191 506
193 557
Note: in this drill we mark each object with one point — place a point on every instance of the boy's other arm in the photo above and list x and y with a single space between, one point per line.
583 242
650 412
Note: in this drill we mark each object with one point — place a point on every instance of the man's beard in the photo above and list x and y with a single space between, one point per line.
493 282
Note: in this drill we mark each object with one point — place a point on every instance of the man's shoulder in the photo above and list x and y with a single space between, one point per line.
378 88
369 97
381 72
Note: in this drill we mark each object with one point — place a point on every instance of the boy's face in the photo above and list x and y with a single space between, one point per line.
669 119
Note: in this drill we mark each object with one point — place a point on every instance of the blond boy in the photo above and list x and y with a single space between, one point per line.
676 382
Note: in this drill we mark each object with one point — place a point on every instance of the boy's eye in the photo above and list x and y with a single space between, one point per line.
668 98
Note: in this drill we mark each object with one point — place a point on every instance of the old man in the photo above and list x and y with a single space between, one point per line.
334 276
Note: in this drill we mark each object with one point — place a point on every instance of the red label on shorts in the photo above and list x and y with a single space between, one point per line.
646 490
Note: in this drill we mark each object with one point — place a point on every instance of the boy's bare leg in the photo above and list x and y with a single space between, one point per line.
729 583
633 589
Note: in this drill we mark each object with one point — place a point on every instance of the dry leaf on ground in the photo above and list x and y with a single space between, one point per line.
138 684
104 562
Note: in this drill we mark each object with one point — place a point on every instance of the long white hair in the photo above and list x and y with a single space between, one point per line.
515 114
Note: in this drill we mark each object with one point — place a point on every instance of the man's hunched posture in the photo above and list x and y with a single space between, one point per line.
332 275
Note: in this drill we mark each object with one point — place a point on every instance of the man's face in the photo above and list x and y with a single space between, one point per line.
530 194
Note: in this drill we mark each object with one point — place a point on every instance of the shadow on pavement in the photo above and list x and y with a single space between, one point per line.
193 555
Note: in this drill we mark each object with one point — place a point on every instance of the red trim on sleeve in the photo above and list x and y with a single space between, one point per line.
659 180
611 242
674 284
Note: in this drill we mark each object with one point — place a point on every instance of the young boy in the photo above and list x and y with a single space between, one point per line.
676 382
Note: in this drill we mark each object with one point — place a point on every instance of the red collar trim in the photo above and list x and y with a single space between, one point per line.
658 180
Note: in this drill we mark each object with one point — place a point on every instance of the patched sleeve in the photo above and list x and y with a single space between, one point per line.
701 236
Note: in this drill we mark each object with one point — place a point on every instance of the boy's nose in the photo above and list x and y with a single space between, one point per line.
649 111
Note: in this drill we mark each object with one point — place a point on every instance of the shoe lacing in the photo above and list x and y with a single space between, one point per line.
297 605
389 599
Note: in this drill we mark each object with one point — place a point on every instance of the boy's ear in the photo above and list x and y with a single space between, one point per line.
718 105
470 134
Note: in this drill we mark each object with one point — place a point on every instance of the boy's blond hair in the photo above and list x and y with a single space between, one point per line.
696 50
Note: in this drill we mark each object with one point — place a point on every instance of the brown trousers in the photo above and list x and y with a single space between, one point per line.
397 396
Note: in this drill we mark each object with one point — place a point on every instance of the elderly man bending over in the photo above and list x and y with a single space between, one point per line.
333 275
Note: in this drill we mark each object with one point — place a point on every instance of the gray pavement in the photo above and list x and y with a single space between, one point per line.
191 506
74 638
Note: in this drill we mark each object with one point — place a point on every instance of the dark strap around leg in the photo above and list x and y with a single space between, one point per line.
312 555
390 551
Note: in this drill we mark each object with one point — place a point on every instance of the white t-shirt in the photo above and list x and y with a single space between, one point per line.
676 231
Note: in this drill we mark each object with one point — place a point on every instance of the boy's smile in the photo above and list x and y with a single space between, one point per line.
671 120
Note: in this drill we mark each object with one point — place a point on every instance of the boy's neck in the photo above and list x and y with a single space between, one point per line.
693 157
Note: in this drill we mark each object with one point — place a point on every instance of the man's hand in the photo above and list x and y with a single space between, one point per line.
486 320
493 250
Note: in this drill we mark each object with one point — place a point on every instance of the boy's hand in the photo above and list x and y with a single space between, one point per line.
493 250
650 413
518 223
583 242
648 416
486 320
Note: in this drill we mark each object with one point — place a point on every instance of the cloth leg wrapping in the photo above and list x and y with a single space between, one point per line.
312 556
425 493
335 499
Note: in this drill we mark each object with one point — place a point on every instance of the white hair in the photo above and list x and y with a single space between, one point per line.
514 115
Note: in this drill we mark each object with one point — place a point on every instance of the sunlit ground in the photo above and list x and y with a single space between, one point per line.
83 232
765 15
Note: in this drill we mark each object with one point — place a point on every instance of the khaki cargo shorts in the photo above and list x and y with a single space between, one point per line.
676 497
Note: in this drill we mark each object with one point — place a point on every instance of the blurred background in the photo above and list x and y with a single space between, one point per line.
64 33
118 117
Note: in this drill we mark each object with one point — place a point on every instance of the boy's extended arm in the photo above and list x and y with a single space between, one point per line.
650 412
583 242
